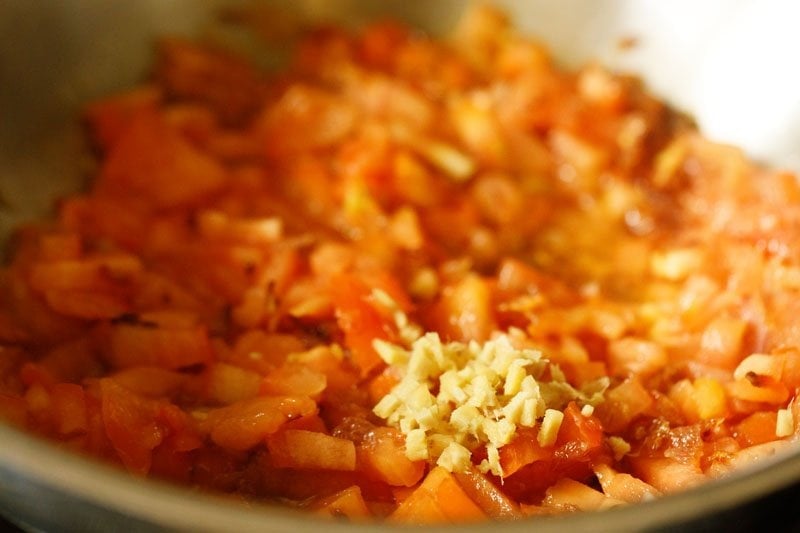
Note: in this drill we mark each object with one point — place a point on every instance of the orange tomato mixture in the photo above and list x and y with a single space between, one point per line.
409 279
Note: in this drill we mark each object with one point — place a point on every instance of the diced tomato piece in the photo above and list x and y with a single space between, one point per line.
87 288
69 409
304 118
147 343
243 425
578 446
348 503
570 494
229 384
297 448
623 404
173 458
339 375
523 450
151 381
721 342
131 426
169 463
382 384
109 118
261 351
515 277
183 434
35 373
360 320
294 378
791 368
150 159
464 311
622 486
666 474
757 428
487 495
382 456
439 499
72 361
634 356
38 402
760 389
577 428
114 219
309 423
13 409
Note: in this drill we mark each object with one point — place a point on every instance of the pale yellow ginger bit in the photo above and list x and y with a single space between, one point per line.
481 393
587 410
450 388
513 409
530 385
466 419
551 423
406 424
454 163
381 297
409 332
387 406
455 458
416 445
784 425
459 397
523 408
391 354
619 447
499 432
514 376
438 442
420 398
421 365
492 461
530 412
428 417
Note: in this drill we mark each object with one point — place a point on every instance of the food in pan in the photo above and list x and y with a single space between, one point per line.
408 279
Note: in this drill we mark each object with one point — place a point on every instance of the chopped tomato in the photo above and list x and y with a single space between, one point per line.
578 445
757 428
131 425
381 455
298 448
523 450
347 503
244 424
361 321
439 499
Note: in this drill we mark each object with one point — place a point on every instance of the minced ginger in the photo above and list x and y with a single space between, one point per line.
456 397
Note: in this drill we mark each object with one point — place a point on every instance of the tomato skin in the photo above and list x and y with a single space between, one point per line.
465 312
360 320
576 427
382 457
522 451
131 426
438 499
578 447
